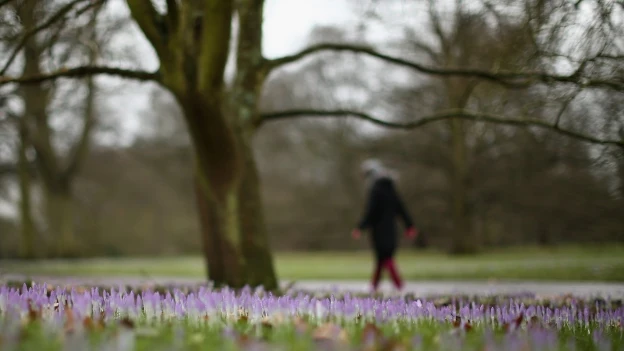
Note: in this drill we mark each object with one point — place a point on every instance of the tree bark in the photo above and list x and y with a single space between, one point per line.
217 176
251 72
256 247
221 232
229 261
60 219
37 130
211 241
27 249
620 163
463 238
233 230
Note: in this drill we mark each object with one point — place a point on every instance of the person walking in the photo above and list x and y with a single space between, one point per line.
383 206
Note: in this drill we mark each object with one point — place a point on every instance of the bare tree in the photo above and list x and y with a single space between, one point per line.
43 34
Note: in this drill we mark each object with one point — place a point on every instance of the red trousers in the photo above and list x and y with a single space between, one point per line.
394 274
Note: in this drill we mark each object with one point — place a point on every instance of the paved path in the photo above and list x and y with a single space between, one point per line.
428 288
420 288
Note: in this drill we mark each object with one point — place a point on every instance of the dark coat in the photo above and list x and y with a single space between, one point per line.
382 209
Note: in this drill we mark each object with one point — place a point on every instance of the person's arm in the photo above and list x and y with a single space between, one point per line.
402 211
410 230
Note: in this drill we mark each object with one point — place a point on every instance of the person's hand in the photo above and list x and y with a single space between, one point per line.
356 234
411 233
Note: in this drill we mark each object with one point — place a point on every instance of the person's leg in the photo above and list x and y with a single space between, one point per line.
376 274
394 273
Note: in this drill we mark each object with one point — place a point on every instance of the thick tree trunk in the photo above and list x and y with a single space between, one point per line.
219 171
211 242
232 261
256 247
229 262
243 101
620 165
234 237
543 237
60 221
463 239
221 233
27 249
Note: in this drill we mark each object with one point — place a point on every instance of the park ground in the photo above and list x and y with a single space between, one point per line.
567 277
599 263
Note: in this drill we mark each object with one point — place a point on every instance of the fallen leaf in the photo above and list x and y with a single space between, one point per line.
301 326
127 322
92 324
534 322
371 334
277 318
69 320
87 322
33 315
519 319
330 331
243 340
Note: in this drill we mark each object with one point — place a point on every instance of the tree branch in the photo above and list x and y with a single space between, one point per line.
81 148
54 18
505 78
172 14
45 161
564 106
216 29
437 29
610 57
440 116
7 169
149 21
82 71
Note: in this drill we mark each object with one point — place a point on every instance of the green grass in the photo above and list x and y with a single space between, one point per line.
594 263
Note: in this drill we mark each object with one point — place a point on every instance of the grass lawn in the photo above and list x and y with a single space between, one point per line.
595 263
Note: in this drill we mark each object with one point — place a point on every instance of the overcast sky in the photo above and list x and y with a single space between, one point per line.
287 23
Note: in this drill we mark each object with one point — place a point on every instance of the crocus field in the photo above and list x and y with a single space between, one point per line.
41 317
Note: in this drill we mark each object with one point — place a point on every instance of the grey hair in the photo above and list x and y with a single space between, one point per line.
373 170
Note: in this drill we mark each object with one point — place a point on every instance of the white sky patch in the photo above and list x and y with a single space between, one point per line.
287 23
